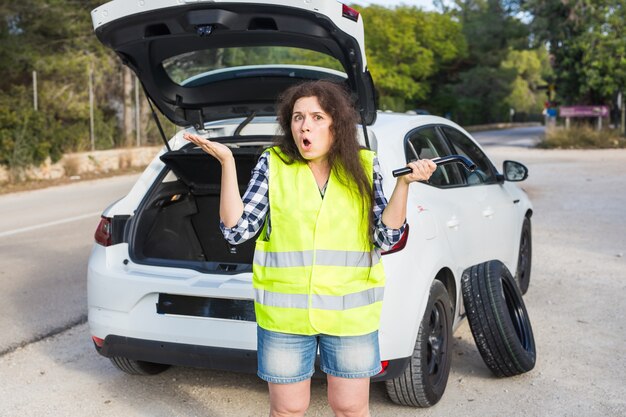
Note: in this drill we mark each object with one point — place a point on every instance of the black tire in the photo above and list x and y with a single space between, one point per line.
424 380
524 259
498 319
134 367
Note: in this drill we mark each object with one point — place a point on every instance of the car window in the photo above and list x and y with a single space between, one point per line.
427 143
484 173
186 67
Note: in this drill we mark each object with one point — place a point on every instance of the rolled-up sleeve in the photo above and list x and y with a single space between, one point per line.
384 237
255 206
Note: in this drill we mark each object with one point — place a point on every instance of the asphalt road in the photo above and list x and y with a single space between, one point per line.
523 137
45 240
576 304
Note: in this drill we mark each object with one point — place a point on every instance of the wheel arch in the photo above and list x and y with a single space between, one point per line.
529 213
446 277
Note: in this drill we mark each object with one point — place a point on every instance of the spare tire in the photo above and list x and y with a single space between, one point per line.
498 319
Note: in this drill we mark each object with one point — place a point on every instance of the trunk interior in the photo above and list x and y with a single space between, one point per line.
177 224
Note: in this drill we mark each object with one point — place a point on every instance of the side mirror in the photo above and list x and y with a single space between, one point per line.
514 171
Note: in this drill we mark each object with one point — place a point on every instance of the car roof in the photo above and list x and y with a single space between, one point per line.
404 123
146 34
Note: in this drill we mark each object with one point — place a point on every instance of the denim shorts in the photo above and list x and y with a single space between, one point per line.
287 358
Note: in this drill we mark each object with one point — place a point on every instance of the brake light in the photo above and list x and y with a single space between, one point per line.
384 365
99 342
349 13
103 232
401 243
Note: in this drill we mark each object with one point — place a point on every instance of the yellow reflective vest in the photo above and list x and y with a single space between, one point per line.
317 272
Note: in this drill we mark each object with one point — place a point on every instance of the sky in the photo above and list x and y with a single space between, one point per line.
422 4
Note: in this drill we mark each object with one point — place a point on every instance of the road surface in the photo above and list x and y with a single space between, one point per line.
45 239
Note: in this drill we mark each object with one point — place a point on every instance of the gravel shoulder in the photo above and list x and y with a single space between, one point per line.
576 304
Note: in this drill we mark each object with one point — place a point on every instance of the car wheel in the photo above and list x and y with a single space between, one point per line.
424 380
134 367
522 276
498 319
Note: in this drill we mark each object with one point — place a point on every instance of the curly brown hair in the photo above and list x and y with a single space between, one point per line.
343 155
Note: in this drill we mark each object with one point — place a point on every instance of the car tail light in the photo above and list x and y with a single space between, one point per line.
99 342
384 365
349 13
103 232
401 243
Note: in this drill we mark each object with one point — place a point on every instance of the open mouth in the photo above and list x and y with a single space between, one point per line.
306 144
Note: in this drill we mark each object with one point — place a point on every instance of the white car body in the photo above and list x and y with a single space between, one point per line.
451 229
444 230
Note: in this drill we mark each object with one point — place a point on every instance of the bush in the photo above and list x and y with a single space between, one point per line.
27 137
582 137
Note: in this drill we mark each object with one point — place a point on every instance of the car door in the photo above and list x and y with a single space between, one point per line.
448 198
492 208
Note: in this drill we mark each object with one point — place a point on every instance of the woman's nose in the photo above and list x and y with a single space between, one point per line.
305 125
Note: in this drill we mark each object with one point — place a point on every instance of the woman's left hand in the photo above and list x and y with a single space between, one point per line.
421 170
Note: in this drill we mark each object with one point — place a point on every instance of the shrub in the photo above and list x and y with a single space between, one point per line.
27 137
582 137
71 166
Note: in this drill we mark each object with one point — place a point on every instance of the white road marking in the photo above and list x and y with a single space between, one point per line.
48 224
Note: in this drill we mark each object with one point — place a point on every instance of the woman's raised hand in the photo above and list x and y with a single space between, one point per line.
218 150
422 170
231 206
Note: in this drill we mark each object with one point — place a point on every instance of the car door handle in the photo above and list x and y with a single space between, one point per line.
453 223
488 212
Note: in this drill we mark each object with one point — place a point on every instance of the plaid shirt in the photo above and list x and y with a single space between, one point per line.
256 208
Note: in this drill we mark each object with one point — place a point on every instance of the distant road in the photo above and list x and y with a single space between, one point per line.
45 239
525 137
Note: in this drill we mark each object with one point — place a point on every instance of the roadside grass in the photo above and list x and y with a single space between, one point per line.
581 137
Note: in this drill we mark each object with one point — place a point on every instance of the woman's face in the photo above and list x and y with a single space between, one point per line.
310 127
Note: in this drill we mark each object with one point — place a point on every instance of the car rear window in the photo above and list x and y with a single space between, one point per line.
184 68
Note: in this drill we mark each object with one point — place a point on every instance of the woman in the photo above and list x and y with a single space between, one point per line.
317 273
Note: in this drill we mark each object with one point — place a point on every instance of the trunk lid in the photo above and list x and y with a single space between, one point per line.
201 61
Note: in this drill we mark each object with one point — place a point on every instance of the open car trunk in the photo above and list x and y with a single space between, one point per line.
178 222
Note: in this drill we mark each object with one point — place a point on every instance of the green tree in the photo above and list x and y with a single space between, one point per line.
405 47
490 28
60 47
531 67
479 88
587 43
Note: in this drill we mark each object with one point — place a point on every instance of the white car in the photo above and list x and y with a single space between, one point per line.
165 288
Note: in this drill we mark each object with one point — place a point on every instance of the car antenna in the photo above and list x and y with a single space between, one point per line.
156 119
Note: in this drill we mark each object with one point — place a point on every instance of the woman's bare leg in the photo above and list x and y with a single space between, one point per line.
289 400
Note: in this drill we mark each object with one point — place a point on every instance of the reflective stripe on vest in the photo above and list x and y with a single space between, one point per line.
324 302
323 257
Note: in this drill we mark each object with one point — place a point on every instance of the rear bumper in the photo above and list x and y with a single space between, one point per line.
174 316
226 359
179 354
